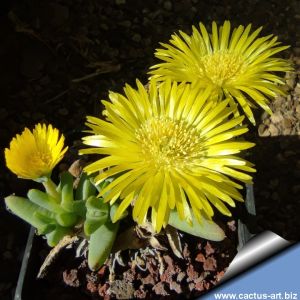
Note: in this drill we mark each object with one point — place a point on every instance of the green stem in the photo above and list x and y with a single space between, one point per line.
50 188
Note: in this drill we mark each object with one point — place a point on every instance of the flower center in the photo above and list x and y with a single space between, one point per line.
41 160
168 143
220 67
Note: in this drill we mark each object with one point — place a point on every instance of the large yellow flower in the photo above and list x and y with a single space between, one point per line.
168 148
33 155
236 64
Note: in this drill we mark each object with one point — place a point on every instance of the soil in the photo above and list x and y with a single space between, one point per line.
147 273
59 58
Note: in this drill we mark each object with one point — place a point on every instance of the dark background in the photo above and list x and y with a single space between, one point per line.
59 58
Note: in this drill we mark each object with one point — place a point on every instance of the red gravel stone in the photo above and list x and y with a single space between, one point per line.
103 289
186 252
92 287
70 278
200 258
231 225
159 289
191 273
210 264
148 280
180 276
175 287
209 249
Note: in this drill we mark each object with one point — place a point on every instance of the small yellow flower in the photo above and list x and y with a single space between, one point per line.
33 155
168 148
236 64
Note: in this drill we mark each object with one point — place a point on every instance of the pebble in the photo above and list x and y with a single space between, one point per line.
274 131
263 130
276 117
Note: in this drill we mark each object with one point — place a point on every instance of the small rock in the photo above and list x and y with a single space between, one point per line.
287 123
191 273
102 291
232 225
148 280
186 252
262 130
199 286
121 289
200 258
274 131
180 276
159 289
191 286
175 287
92 287
70 278
286 131
210 264
276 117
209 249
220 275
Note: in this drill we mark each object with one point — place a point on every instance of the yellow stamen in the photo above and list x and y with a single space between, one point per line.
168 143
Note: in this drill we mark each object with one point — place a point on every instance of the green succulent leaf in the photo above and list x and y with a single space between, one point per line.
207 229
66 185
47 219
91 226
101 242
56 235
79 208
85 188
96 208
66 219
96 214
44 200
27 211
88 189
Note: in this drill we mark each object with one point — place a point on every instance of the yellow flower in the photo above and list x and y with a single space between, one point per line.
168 148
33 155
236 64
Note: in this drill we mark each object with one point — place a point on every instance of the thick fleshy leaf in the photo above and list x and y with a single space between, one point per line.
206 229
66 219
66 186
100 245
97 214
56 235
44 200
26 210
